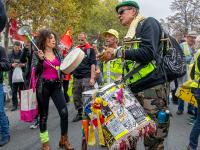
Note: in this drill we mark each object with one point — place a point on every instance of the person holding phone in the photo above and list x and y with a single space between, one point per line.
14 60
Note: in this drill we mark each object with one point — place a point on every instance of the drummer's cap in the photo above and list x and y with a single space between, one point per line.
112 32
127 3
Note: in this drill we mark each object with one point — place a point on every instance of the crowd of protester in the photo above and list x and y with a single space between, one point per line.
53 83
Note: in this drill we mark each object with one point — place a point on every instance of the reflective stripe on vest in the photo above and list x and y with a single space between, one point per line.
130 65
112 70
108 80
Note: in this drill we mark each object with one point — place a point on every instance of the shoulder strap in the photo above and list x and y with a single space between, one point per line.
139 27
130 74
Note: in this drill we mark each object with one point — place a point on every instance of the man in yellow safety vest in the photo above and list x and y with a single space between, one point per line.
112 70
140 43
188 51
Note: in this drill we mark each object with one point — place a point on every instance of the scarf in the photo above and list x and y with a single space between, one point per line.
132 29
85 47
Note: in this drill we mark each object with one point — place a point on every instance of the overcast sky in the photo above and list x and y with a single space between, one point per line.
155 8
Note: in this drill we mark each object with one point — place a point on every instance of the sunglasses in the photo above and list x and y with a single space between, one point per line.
120 12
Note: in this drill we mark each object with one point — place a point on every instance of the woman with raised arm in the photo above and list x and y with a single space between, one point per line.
47 62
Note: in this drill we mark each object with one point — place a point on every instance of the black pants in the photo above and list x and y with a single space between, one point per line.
174 98
15 88
65 88
52 89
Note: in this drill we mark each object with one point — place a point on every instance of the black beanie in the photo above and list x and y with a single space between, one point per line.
3 17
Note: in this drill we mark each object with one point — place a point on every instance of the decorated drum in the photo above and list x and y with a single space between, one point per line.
118 117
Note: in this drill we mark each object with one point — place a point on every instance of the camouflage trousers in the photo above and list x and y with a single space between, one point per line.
152 101
79 86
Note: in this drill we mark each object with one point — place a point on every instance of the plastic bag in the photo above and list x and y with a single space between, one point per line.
17 75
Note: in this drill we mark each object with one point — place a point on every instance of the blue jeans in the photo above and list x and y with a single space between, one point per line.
4 124
194 135
181 106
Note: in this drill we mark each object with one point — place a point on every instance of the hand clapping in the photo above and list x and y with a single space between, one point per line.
107 55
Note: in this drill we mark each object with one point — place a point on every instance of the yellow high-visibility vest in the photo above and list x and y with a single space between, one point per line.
195 82
186 49
112 70
143 72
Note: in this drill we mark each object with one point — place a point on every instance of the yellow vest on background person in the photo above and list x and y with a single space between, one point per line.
189 56
184 92
189 83
186 49
195 82
112 70
188 53
131 65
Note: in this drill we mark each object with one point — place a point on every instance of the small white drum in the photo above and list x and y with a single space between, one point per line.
72 60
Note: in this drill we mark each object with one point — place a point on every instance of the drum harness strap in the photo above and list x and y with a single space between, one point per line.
53 66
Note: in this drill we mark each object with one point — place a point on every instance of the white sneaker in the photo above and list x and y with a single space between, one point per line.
34 126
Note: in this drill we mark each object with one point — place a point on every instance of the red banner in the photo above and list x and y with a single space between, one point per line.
13 31
66 39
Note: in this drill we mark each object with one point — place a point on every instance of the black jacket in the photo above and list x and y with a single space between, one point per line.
26 57
84 69
149 32
38 64
4 64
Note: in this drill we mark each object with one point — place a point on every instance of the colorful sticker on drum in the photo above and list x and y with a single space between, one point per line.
128 121
128 95
118 111
109 139
134 107
107 113
116 128
107 96
136 111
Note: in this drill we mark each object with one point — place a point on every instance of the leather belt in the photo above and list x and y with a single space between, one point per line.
51 80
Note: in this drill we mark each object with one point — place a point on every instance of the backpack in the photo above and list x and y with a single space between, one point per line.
170 64
171 58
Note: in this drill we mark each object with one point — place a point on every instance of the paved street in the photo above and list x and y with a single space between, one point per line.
23 138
